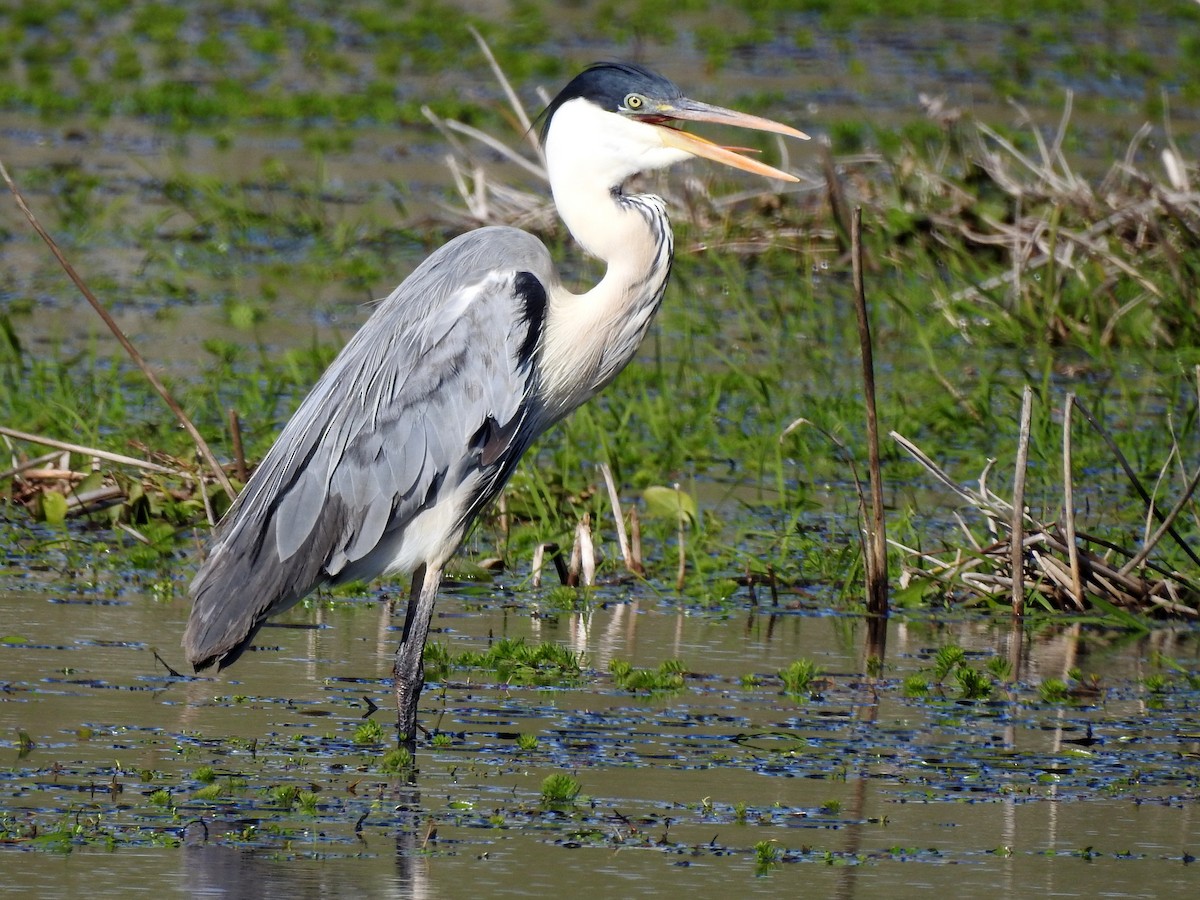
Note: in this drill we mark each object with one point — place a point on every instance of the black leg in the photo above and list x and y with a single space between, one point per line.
409 670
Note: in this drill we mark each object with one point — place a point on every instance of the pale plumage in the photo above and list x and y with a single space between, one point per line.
422 417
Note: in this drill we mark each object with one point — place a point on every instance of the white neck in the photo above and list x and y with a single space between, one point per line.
591 336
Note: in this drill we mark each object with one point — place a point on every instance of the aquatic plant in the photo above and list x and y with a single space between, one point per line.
308 802
209 792
767 855
396 761
512 660
560 789
667 677
1053 690
800 677
368 733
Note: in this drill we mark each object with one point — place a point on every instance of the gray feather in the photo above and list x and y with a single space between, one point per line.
384 433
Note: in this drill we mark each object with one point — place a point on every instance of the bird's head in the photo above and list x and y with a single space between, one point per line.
619 119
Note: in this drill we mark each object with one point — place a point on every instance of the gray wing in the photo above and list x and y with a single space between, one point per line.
432 401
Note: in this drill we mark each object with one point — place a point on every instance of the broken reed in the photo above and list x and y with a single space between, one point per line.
1054 561
874 526
201 445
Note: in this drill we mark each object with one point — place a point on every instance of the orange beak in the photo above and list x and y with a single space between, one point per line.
695 111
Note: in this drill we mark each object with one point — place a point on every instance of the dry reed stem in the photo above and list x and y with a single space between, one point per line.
513 101
1043 561
1134 480
681 575
1133 219
539 557
1017 523
1069 504
28 465
581 571
618 517
635 541
1165 526
94 452
875 549
115 329
239 452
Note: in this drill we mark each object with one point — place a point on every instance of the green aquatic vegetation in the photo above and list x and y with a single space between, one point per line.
209 792
1180 674
308 801
560 789
973 684
368 733
952 667
568 598
799 678
1000 668
946 660
436 658
58 835
667 678
915 685
285 795
205 774
160 797
397 761
1054 690
1156 683
527 742
767 855
512 660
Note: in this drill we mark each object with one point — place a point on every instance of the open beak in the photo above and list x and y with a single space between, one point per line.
695 111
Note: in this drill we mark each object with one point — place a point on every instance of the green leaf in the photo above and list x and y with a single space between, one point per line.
93 481
669 503
54 507
1120 617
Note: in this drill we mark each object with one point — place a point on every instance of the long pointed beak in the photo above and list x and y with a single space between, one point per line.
696 111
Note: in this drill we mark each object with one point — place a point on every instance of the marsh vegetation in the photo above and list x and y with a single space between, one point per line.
237 184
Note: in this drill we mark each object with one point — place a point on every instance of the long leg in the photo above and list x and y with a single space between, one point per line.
409 671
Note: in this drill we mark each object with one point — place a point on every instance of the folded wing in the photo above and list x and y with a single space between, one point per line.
414 427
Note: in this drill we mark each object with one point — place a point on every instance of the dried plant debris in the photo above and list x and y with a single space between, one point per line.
1095 574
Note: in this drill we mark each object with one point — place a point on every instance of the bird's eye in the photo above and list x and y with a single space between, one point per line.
634 102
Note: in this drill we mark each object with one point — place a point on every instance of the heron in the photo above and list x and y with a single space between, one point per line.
420 420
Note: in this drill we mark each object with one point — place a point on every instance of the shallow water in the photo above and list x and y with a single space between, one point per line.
859 789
